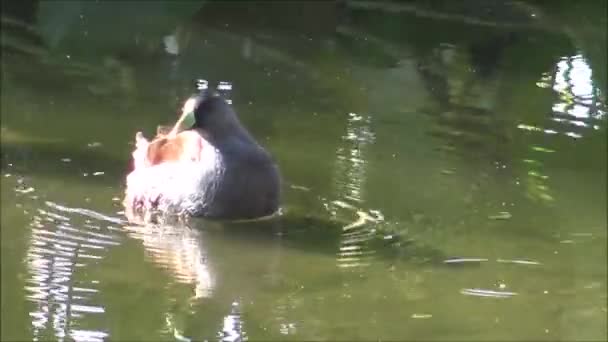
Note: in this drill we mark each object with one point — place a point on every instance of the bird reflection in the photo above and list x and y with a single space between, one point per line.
179 249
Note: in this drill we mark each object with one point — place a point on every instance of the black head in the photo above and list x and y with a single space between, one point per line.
213 115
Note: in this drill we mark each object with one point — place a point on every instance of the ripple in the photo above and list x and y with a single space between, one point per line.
61 242
350 176
580 104
87 308
487 293
464 260
354 250
88 335
86 212
520 262
233 327
351 165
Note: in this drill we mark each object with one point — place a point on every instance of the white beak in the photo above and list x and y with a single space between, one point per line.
186 120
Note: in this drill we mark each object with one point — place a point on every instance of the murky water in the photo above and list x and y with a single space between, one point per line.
445 173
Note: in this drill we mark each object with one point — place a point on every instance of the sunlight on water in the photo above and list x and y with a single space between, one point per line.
580 104
350 180
60 248
488 293
578 109
233 326
350 158
173 330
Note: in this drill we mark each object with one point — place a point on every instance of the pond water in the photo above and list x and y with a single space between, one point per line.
444 172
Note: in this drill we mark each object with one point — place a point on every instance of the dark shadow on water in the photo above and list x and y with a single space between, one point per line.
326 236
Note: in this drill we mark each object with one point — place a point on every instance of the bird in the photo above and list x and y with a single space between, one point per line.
209 165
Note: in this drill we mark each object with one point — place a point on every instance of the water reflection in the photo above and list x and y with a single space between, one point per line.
233 326
580 105
319 284
62 250
179 249
488 293
349 180
350 158
465 85
68 243
579 109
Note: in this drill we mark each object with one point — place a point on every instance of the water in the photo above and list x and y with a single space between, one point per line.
445 172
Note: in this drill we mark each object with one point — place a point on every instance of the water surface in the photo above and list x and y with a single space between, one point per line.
444 172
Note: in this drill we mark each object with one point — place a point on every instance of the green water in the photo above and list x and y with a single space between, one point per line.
444 172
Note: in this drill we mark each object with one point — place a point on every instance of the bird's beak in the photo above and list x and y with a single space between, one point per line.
186 120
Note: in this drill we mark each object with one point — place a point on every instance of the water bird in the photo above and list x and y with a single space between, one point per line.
209 165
